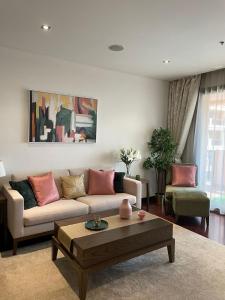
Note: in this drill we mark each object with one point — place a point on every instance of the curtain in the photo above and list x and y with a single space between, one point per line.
183 95
188 155
210 138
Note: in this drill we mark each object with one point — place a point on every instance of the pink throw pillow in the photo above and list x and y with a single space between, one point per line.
183 175
44 188
100 182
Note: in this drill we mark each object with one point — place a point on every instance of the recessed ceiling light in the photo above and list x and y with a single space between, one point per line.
116 47
166 61
46 27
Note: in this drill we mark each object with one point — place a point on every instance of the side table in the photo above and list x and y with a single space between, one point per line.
146 182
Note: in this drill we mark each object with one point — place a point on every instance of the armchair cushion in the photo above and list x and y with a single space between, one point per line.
183 175
170 189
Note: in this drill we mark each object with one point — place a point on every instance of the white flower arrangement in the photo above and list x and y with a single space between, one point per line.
128 156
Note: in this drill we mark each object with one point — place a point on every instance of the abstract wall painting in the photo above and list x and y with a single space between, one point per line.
56 118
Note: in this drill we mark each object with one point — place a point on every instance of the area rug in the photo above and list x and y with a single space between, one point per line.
198 273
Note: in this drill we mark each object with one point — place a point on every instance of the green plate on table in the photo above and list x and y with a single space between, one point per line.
92 225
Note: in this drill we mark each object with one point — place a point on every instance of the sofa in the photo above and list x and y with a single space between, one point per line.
39 220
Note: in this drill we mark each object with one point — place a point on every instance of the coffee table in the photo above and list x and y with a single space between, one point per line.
90 251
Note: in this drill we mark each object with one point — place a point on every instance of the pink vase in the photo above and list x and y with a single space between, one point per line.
125 209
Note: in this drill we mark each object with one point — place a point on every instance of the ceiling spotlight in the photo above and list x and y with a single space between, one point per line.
46 27
116 47
166 61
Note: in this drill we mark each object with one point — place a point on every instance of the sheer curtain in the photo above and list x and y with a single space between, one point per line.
210 144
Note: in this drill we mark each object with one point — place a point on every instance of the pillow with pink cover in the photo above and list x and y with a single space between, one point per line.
44 188
183 175
100 182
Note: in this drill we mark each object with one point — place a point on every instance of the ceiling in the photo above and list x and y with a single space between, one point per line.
185 31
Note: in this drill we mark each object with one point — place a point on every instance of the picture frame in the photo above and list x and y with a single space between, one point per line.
58 118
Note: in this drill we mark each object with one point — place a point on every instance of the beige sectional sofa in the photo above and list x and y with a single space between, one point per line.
36 221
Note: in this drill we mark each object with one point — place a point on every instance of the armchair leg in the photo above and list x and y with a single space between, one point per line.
205 221
15 243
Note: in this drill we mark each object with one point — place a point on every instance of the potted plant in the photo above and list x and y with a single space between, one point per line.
162 148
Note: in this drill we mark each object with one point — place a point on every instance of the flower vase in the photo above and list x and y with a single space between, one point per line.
128 174
125 209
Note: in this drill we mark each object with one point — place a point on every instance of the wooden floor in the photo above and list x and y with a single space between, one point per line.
216 230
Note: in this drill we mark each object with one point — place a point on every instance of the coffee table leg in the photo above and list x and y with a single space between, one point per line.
82 281
54 251
171 251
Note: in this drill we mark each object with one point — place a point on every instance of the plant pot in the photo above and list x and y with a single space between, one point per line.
161 182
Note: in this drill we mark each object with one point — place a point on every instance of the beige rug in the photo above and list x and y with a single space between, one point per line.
198 273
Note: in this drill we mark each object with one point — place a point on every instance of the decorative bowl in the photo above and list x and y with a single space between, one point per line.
96 226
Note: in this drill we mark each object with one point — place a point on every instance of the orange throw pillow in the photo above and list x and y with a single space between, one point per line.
100 182
183 175
44 188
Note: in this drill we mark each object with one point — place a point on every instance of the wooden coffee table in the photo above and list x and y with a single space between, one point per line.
90 251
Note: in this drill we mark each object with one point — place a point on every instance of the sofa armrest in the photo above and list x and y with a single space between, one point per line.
15 208
133 187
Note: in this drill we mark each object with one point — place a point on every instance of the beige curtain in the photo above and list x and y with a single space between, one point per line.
188 155
183 95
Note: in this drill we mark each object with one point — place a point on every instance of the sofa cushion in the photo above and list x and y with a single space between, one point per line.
44 188
24 188
73 186
105 202
85 171
79 171
56 174
100 182
118 182
54 211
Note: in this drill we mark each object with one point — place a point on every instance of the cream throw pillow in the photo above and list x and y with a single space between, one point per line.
73 186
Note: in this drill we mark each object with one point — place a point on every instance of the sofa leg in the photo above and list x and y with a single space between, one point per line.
207 221
15 243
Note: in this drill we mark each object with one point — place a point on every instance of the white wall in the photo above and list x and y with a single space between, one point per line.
129 108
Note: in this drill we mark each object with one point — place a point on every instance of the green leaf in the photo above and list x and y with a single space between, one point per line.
162 149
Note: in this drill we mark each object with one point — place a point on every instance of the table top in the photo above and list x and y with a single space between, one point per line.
84 218
134 228
74 232
117 234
